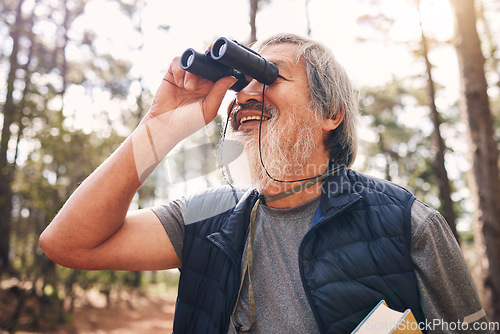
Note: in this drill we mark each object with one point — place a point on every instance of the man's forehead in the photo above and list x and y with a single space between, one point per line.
282 55
286 50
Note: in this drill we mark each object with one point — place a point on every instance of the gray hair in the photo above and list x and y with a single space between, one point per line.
330 90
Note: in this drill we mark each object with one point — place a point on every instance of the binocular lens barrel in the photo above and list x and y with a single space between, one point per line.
199 64
245 60
229 58
204 66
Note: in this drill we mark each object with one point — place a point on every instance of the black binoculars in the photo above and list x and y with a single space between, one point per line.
230 58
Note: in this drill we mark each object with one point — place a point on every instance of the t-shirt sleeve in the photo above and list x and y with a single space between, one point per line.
171 216
176 215
448 294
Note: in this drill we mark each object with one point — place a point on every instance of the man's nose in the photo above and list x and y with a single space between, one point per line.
252 91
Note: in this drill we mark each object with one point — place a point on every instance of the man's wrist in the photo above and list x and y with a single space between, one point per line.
157 135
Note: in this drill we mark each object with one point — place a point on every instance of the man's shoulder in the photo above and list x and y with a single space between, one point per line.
427 220
214 195
211 202
364 183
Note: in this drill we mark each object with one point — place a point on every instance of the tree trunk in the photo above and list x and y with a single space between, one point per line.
484 180
254 7
308 18
491 42
439 147
6 169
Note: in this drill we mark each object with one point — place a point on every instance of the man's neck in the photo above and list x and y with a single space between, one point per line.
295 199
314 174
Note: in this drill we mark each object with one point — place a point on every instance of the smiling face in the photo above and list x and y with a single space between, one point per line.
292 133
290 89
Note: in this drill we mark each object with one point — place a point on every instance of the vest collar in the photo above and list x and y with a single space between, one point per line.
230 238
337 194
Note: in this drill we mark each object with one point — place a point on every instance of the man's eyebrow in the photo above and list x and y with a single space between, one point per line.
283 66
280 63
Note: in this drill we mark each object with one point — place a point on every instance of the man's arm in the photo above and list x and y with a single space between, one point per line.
448 293
94 229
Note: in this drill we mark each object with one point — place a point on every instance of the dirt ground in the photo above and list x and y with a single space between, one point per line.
128 313
144 315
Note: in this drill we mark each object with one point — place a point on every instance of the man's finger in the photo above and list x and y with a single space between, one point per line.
216 95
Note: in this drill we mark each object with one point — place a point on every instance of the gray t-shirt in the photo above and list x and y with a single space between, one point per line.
447 291
282 307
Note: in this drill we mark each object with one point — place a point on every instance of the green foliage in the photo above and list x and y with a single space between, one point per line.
401 148
50 151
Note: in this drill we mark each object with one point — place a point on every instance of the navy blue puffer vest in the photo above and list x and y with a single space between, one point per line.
356 253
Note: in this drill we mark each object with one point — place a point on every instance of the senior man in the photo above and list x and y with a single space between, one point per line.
311 247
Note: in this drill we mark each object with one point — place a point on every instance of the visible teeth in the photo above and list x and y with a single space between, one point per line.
250 118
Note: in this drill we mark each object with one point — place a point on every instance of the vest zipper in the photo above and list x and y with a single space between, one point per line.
301 266
238 278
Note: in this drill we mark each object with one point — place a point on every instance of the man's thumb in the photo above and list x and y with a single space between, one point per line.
216 95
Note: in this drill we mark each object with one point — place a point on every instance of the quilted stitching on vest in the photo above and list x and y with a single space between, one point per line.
358 255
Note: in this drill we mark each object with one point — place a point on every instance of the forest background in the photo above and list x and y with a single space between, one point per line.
78 76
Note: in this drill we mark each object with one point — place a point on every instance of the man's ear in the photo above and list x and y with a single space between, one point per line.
330 124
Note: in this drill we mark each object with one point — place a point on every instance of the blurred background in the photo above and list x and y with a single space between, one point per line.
77 77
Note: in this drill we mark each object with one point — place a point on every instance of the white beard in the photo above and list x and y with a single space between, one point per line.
285 158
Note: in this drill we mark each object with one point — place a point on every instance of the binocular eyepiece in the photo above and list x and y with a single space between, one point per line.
230 58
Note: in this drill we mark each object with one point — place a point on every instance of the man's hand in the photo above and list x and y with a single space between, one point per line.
180 88
183 104
95 229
